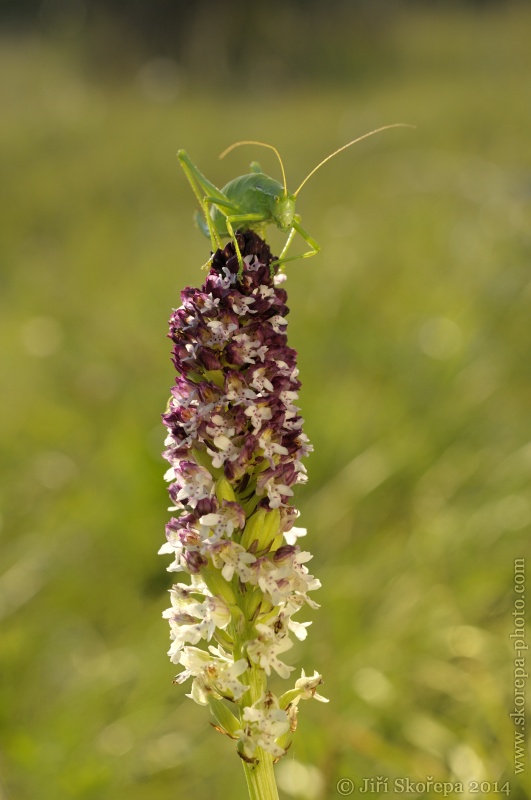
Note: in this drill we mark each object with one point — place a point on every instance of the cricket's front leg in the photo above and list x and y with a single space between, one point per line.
282 255
307 238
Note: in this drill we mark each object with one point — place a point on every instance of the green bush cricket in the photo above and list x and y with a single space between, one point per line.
254 201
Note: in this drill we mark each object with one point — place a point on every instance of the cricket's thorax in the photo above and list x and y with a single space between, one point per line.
255 194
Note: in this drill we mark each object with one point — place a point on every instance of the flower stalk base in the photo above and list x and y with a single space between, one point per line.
260 777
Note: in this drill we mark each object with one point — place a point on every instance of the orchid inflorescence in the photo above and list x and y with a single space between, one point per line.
235 446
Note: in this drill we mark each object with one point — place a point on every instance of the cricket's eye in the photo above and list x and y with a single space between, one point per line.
276 198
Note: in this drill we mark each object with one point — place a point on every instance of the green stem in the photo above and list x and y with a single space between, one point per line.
260 777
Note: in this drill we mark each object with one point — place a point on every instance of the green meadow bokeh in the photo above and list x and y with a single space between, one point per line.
412 327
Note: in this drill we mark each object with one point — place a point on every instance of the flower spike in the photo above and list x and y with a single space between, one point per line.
235 446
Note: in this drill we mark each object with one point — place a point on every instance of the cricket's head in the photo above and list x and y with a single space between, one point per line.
284 211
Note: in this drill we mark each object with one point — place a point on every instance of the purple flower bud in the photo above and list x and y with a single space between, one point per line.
195 561
286 551
208 358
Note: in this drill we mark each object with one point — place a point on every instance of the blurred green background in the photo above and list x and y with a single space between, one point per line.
412 327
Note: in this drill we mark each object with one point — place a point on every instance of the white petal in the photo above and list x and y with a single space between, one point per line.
210 520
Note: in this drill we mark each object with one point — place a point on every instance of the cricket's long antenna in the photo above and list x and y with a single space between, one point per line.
365 136
262 144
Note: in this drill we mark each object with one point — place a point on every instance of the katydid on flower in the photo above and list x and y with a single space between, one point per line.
254 201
